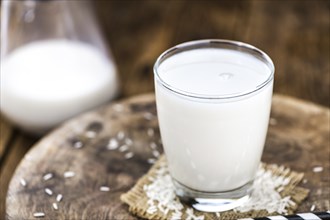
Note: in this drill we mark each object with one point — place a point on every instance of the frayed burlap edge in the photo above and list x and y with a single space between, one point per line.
136 198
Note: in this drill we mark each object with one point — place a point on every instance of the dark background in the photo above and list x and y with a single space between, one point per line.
294 33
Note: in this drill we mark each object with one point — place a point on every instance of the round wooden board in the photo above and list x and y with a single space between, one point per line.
298 137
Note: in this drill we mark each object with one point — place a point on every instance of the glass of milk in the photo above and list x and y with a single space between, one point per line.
54 63
213 102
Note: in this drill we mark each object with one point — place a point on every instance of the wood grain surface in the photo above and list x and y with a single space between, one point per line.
298 138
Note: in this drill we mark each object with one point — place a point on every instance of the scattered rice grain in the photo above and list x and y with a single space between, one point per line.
90 134
291 203
312 208
152 209
69 174
113 144
153 145
192 216
161 194
47 176
129 155
317 169
123 148
265 194
151 160
22 182
319 192
150 132
39 214
55 206
59 197
48 191
120 135
78 144
104 188
156 153
118 107
148 116
272 121
128 141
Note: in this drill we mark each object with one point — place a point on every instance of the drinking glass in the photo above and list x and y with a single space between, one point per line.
213 101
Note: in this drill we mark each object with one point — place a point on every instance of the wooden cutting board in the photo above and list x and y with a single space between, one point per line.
298 137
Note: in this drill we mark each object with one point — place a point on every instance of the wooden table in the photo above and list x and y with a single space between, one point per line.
295 34
298 132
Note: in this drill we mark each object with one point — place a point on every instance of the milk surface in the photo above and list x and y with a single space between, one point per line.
46 82
213 145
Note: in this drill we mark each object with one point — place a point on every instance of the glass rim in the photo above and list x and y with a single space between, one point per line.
215 43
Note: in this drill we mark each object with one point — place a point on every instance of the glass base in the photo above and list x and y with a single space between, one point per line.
213 201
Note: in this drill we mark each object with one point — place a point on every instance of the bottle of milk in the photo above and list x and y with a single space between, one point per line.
54 63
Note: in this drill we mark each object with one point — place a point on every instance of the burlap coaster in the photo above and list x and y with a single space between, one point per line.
137 198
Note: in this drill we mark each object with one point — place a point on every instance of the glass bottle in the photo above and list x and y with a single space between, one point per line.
54 63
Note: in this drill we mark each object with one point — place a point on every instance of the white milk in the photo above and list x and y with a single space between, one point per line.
46 82
213 145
